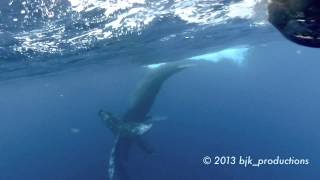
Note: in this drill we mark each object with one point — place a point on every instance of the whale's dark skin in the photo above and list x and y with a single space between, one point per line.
129 129
297 20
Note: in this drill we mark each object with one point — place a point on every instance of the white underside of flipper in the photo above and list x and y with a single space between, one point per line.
112 161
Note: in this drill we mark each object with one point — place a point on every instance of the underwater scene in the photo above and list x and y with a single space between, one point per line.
159 90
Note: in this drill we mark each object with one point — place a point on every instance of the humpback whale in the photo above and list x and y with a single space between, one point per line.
136 122
130 128
297 20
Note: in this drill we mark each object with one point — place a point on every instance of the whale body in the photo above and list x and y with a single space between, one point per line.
129 129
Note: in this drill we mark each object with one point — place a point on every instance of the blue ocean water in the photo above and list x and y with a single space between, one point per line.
61 61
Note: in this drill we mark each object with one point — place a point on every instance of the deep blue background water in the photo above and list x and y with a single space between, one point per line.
52 88
265 108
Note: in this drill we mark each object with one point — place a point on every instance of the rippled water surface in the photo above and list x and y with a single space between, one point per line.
39 36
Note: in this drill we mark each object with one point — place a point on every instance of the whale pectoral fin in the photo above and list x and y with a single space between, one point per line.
144 145
118 158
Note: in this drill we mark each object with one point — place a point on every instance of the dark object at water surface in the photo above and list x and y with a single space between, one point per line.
297 20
